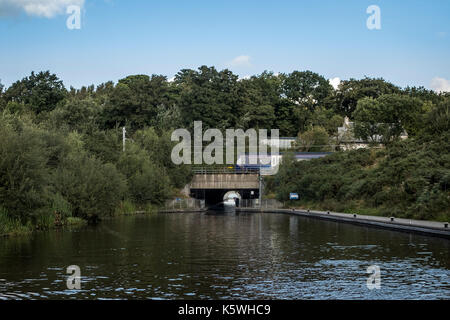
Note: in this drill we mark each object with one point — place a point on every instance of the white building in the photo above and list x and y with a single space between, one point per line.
348 141
283 142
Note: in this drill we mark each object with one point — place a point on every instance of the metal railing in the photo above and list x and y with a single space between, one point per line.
225 170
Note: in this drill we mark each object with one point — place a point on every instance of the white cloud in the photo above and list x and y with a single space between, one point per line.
39 8
241 61
440 84
335 82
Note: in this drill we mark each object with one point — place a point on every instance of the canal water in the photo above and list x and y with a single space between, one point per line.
224 256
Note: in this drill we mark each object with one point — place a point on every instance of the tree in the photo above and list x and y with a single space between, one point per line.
367 116
387 117
315 139
261 96
77 114
159 147
2 101
210 96
438 120
148 182
39 92
257 117
306 89
23 171
168 117
92 188
263 89
422 94
287 119
404 112
327 119
135 100
351 91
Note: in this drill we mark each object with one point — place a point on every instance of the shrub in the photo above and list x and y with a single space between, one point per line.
23 172
147 182
408 179
92 188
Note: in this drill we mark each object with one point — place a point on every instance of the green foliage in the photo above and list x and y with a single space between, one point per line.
351 91
159 149
387 117
61 152
76 115
288 119
315 139
135 100
40 92
104 144
257 117
408 179
23 171
327 119
12 225
74 221
44 219
438 119
126 208
306 89
147 182
209 95
91 187
60 206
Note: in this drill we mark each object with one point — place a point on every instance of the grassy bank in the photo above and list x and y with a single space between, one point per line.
128 208
10 226
408 179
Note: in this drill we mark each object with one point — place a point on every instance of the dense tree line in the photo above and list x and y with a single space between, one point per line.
61 149
409 178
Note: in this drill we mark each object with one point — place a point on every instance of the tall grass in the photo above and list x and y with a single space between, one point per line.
126 208
45 220
74 221
10 225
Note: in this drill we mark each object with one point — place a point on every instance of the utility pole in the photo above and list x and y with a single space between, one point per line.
260 188
123 138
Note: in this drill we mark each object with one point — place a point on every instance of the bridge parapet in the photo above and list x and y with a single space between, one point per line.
225 170
225 181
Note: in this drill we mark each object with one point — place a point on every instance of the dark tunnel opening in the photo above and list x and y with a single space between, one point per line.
214 197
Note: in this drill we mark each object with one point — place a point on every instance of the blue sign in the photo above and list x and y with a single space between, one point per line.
293 196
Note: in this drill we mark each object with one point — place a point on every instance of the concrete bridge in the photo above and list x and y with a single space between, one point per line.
212 185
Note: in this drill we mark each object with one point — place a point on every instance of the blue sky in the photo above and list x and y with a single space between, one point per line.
122 37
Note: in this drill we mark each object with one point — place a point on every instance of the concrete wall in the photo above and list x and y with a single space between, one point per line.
430 228
225 181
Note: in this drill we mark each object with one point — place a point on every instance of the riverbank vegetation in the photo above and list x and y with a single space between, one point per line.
61 157
408 179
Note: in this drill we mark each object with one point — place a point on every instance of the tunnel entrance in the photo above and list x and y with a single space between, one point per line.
214 197
232 195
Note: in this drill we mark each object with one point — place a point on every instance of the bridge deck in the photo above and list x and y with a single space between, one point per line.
225 181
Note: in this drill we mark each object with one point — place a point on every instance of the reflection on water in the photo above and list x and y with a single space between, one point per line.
224 255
